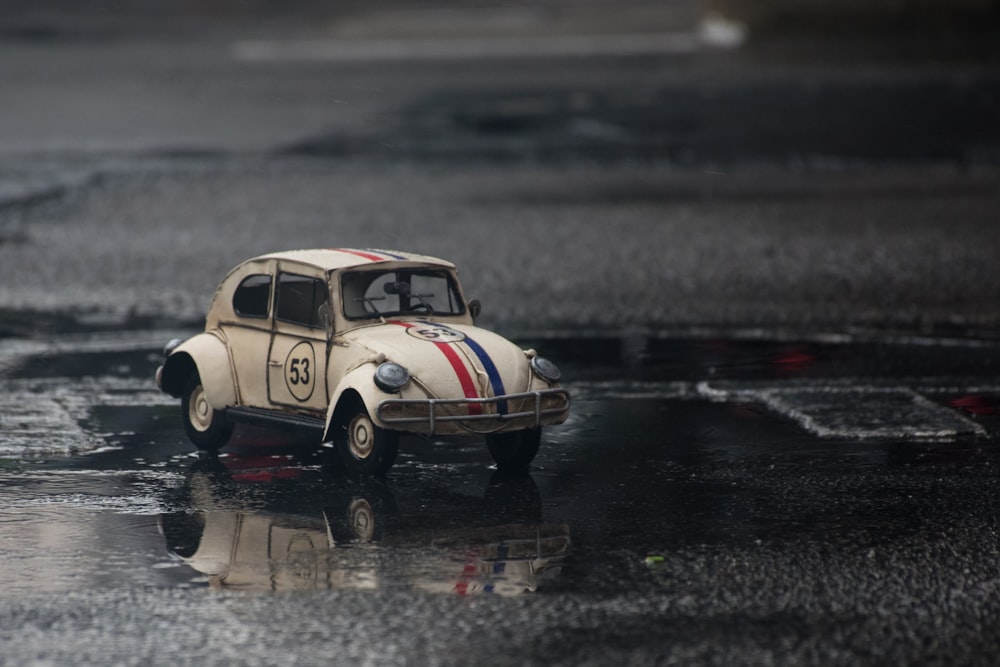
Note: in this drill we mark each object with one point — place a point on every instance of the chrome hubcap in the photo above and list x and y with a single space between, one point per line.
361 437
199 410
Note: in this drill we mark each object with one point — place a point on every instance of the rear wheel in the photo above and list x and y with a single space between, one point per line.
205 426
364 447
515 450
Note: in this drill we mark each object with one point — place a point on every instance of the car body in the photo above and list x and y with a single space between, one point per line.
355 346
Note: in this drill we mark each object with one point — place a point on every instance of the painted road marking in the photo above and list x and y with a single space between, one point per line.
870 414
855 410
845 408
45 417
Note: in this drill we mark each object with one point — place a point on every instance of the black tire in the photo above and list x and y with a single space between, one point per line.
514 451
206 427
364 448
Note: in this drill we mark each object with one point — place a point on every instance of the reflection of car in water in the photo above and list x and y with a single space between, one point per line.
346 533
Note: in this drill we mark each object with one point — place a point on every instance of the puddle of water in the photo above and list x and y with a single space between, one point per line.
70 546
623 479
645 465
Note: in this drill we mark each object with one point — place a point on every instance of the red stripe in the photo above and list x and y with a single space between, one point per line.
358 253
468 386
464 378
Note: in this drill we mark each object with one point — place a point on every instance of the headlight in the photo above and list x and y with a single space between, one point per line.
390 377
545 369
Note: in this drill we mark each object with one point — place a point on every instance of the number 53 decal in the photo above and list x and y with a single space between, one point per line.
300 371
435 333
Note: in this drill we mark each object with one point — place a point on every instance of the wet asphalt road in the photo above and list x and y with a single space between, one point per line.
769 276
682 514
818 187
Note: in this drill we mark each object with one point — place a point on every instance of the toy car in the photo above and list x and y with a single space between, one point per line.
355 347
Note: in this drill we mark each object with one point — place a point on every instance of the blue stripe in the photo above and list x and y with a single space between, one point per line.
383 252
491 370
496 382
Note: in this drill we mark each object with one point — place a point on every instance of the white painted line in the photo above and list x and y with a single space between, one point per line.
480 48
855 412
35 424
43 417
844 408
871 414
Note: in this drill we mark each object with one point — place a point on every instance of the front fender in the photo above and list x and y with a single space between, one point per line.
360 381
208 355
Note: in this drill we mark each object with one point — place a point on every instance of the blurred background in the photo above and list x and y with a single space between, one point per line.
680 163
772 17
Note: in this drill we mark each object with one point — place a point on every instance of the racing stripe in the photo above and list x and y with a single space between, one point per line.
468 386
496 382
385 252
360 253
464 377
491 370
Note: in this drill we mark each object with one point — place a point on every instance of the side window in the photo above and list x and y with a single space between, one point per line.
252 297
300 299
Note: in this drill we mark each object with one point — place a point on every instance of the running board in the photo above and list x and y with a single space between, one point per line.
277 420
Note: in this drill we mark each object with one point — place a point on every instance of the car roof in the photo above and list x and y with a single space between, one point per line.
329 259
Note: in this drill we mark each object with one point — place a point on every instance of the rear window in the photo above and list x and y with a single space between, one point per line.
253 296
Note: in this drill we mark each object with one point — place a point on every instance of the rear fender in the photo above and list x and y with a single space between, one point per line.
207 355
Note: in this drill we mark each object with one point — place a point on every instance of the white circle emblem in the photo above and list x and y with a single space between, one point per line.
300 371
435 333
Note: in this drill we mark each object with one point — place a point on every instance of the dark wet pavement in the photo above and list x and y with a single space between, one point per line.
663 521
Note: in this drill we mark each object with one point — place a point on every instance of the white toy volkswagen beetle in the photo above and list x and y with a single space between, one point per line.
353 347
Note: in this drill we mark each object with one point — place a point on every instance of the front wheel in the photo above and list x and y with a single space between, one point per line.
205 426
515 450
364 447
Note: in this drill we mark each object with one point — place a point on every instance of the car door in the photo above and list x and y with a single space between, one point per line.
296 365
248 331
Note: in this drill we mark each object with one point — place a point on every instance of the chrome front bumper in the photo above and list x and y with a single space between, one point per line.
531 406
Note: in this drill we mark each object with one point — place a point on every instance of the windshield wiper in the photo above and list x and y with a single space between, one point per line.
369 301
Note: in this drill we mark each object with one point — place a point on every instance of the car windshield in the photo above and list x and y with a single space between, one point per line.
369 294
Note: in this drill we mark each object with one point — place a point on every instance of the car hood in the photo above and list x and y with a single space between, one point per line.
449 359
